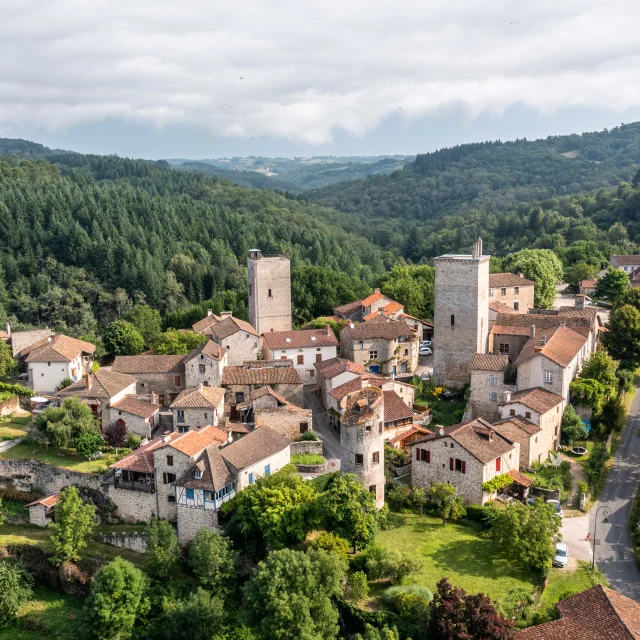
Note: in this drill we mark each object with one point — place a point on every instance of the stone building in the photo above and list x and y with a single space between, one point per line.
41 510
398 417
588 287
238 337
241 383
627 264
514 291
388 347
204 365
218 473
461 319
465 456
139 415
334 373
491 376
269 293
159 375
304 348
197 407
362 440
204 326
357 311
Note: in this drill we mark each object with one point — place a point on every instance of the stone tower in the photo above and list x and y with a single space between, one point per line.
461 316
362 440
269 292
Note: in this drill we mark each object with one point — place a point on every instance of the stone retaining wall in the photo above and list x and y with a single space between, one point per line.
546 494
132 541
25 475
311 468
307 446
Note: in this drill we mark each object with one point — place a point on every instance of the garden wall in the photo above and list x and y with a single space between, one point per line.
132 541
311 468
307 446
25 475
547 494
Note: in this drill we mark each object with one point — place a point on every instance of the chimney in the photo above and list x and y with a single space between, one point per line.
563 324
376 291
579 304
521 275
8 329
537 348
380 312
226 314
532 331
200 387
362 403
255 254
476 251
506 396
440 430
351 325
48 338
209 312
329 330
89 381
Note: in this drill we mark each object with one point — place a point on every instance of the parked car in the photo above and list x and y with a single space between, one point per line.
425 351
425 343
425 375
561 558
557 506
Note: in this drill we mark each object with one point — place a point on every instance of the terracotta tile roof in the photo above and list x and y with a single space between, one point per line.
516 430
560 344
47 501
502 330
198 398
194 441
403 435
498 280
105 385
215 474
205 323
22 341
344 389
590 283
370 316
374 297
300 339
239 427
335 366
260 375
136 407
260 393
148 364
393 307
141 459
501 307
488 362
538 399
59 348
520 478
395 408
208 348
259 444
595 614
348 308
626 260
478 437
230 325
380 328
572 317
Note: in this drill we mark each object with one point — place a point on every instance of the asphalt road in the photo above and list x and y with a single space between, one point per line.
614 556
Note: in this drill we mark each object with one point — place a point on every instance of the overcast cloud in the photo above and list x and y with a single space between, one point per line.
311 70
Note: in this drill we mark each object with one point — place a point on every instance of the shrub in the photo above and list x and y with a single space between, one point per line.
626 378
595 467
307 459
398 498
413 589
395 456
308 436
88 443
358 586
116 434
133 441
384 518
480 514
66 382
332 543
15 589
392 565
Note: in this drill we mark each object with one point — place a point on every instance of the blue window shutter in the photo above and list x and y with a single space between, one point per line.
267 470
189 494
251 478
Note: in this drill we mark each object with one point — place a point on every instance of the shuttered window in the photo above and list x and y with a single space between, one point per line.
498 463
450 464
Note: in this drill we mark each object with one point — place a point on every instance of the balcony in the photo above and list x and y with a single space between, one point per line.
131 480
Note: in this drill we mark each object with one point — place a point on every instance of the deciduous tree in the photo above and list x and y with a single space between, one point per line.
15 589
214 561
172 342
122 339
147 321
612 284
623 338
199 616
73 523
573 428
448 503
543 267
163 551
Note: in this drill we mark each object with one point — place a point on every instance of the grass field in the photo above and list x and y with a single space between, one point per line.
68 460
48 614
307 458
12 428
457 552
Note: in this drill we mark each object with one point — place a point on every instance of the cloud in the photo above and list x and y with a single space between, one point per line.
309 69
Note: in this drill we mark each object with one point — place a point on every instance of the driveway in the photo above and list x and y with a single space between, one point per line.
330 438
614 555
425 363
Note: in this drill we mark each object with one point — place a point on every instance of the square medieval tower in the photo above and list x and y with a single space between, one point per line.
269 292
461 315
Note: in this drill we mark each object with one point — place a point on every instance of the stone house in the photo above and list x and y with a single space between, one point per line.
465 456
358 310
197 407
139 415
398 417
204 326
99 390
238 337
22 340
41 510
496 307
332 374
204 365
491 377
388 347
218 473
304 348
528 435
552 359
57 358
588 287
242 382
512 290
160 375
627 264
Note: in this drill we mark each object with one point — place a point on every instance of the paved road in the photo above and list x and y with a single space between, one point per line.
614 556
329 437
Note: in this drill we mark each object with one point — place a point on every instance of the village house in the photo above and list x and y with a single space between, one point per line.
398 417
268 408
496 307
238 337
57 358
197 407
41 510
491 376
204 365
465 456
138 415
304 348
204 326
332 374
588 287
388 347
241 382
634 278
218 473
159 375
514 291
101 389
625 263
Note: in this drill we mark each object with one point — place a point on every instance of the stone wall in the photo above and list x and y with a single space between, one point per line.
212 371
181 464
387 354
480 402
242 346
134 506
311 468
190 520
307 446
38 516
291 392
9 405
162 384
25 475
132 541
290 422
135 424
511 345
269 293
524 297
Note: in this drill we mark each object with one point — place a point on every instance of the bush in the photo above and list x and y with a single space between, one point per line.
88 443
66 382
308 436
332 543
116 434
411 604
395 456
595 467
384 518
133 441
358 586
481 515
398 498
391 565
626 379
15 589
413 589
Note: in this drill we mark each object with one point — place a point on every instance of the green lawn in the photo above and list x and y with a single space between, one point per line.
47 614
307 458
457 552
69 460
12 428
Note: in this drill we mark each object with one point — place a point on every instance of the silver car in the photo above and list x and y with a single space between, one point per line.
561 558
557 506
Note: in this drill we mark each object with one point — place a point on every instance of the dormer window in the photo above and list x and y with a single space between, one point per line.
198 474
543 340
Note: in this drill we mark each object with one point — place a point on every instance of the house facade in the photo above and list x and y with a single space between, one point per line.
204 365
628 264
197 407
332 374
304 348
238 337
139 415
491 377
160 375
514 291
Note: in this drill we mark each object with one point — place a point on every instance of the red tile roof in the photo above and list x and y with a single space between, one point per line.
395 408
300 339
59 348
205 323
560 344
380 327
501 307
335 366
230 325
374 297
348 308
520 478
403 435
104 384
591 283
538 399
488 362
208 348
136 407
261 374
626 260
344 389
198 398
47 501
148 364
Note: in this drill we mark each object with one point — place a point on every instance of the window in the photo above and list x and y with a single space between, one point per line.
423 455
180 415
504 347
267 470
170 461
493 381
251 478
491 293
380 428
48 364
269 293
516 290
536 439
503 291
171 498
548 377
202 368
318 358
516 306
168 478
453 321
359 459
498 464
189 494
301 359
177 381
376 457
205 383
457 465
304 427
373 355
209 496
527 414
493 397
361 344
312 372
183 428
239 397
406 352
372 488
556 430
367 427
198 474
512 412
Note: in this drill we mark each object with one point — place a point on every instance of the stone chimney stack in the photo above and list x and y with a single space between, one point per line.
209 312
376 291
579 304
329 330
521 275
532 331
89 381
226 314
476 251
506 396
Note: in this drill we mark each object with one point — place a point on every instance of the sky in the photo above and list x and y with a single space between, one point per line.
204 79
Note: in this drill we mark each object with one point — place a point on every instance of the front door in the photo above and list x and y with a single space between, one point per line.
374 368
